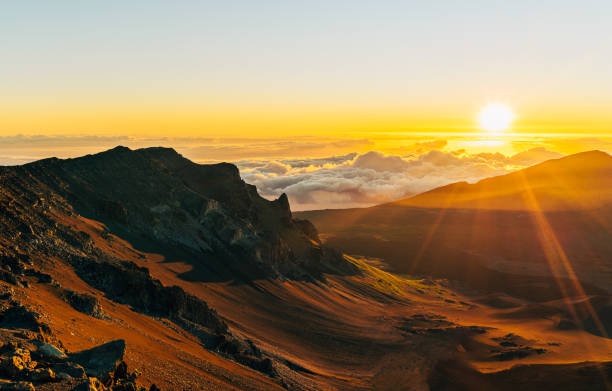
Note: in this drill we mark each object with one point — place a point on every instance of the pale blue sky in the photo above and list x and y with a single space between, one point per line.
427 55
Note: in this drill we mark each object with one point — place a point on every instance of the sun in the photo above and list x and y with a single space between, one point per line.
495 117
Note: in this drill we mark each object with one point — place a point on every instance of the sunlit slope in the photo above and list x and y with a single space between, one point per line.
519 233
580 181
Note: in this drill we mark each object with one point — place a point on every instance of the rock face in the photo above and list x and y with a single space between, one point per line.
205 211
84 303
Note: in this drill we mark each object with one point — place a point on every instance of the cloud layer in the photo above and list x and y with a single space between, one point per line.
358 180
338 173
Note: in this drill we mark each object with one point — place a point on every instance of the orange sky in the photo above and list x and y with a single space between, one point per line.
318 69
257 121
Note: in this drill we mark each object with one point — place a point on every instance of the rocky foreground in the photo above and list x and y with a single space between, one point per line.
32 358
206 213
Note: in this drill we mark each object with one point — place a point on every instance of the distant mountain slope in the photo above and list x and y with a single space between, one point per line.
509 232
580 181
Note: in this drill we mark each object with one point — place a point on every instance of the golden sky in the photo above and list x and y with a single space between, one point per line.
346 70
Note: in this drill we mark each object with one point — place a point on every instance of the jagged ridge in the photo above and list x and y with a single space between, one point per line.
204 211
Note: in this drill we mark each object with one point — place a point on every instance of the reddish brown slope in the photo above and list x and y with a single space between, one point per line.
359 332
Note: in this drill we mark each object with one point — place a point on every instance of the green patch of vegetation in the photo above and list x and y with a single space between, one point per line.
384 282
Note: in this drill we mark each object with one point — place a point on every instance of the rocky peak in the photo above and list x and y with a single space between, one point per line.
176 206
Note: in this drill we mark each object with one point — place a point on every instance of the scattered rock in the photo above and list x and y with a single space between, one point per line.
512 340
23 354
7 293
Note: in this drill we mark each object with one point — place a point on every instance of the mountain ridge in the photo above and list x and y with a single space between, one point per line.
179 203
549 221
559 184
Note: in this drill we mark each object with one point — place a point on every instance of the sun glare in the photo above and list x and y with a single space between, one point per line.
495 117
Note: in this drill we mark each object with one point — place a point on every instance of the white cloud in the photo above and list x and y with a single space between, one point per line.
358 180
276 166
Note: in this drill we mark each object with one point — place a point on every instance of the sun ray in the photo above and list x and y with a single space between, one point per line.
556 256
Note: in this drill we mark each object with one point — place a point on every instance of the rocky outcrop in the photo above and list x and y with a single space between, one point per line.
27 362
19 317
126 283
83 302
204 213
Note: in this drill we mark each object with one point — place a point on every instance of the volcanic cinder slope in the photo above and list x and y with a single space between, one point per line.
203 284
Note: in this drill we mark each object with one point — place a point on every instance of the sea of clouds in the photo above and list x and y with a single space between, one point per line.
359 180
338 173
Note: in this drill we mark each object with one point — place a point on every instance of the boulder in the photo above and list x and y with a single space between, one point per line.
48 350
42 375
101 361
69 369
